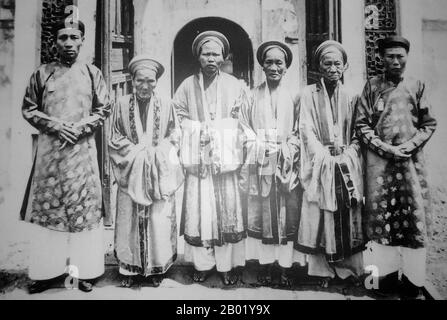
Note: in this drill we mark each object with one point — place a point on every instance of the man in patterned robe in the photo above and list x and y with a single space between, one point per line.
67 101
394 123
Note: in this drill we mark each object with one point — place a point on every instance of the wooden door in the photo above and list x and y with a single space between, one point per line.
322 23
115 50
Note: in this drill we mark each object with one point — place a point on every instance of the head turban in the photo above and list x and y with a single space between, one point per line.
207 36
330 46
68 24
266 46
393 42
142 62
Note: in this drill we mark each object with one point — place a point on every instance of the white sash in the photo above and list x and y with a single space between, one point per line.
335 132
144 138
206 218
206 108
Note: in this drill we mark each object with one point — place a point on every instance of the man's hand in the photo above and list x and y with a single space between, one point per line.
294 140
399 153
175 137
406 148
68 134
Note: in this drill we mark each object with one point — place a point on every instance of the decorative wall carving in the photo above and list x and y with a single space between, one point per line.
52 11
380 22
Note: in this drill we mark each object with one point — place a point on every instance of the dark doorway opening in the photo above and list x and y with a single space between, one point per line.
241 53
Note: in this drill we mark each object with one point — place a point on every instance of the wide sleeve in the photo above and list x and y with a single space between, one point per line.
245 120
317 164
248 167
365 129
32 106
297 104
131 162
290 153
101 104
167 173
427 122
190 129
180 104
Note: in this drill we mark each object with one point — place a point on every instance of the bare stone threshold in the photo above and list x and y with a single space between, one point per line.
179 278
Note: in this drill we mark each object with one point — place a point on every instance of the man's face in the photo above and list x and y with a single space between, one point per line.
332 66
144 82
210 58
274 65
69 43
395 61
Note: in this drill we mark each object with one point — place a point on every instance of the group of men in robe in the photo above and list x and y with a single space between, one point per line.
281 177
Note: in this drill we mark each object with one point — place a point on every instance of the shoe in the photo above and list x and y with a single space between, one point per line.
325 282
228 278
265 275
200 276
156 281
354 281
285 279
409 291
85 286
127 282
39 287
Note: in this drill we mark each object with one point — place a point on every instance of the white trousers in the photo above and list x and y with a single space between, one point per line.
387 260
53 253
125 272
286 255
224 258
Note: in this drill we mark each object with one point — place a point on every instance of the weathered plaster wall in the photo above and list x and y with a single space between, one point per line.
26 58
426 27
353 39
6 59
413 13
157 23
87 14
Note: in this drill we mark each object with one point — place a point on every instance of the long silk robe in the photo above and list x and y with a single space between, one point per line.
398 204
148 173
212 210
271 184
329 226
64 190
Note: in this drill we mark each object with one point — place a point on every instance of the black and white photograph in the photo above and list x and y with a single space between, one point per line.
210 150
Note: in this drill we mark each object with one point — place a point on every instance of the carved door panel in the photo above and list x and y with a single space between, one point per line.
115 50
380 22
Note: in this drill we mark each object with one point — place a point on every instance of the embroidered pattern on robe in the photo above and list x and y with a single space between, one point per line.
398 202
64 190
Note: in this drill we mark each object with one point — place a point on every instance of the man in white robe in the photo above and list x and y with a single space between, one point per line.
330 229
143 151
208 105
